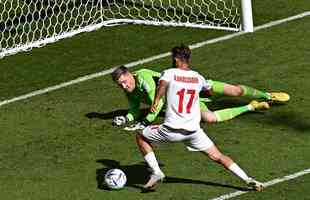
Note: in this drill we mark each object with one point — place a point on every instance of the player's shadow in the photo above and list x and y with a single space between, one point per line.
137 175
226 102
298 122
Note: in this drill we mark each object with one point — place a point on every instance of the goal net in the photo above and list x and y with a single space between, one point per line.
25 24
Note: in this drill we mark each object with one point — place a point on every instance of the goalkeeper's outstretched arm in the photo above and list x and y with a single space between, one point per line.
133 110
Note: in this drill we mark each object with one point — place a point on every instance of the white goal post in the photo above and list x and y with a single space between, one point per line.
25 24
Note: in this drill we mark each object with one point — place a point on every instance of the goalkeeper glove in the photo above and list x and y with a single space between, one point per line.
119 120
138 126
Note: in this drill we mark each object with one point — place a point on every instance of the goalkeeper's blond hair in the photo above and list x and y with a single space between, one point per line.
118 72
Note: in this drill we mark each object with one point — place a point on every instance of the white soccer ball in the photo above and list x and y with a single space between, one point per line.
115 179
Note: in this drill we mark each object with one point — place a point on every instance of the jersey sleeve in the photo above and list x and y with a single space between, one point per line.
133 110
165 76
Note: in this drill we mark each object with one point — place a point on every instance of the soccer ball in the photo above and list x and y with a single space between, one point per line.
115 179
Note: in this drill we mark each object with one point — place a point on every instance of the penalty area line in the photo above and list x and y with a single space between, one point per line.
266 184
147 60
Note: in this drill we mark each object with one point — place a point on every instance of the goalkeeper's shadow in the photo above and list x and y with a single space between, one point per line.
112 114
138 175
286 119
107 115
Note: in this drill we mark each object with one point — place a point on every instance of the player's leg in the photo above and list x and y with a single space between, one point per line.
157 134
229 113
199 141
214 154
144 139
271 96
238 90
243 90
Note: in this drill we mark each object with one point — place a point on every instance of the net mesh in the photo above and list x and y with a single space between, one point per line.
28 23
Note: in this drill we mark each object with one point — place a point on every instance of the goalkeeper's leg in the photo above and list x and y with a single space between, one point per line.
221 88
230 113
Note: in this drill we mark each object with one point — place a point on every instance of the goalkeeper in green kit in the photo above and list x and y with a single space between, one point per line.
140 87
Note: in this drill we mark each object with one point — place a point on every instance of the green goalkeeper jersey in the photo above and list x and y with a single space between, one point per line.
146 81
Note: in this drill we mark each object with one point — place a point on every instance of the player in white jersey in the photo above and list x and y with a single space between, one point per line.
181 86
183 109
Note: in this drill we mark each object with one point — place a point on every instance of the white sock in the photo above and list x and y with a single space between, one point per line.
234 168
269 95
250 107
152 162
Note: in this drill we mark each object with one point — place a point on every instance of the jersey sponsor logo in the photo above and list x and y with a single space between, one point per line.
185 79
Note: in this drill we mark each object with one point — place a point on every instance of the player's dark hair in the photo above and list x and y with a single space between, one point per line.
118 72
182 52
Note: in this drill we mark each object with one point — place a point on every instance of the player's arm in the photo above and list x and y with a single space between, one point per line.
149 87
205 93
207 86
208 89
160 92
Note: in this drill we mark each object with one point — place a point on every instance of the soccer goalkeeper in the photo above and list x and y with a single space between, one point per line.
140 87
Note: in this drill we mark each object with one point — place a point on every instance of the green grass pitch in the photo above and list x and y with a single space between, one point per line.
51 149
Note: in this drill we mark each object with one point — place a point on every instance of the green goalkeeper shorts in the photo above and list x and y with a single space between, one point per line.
203 103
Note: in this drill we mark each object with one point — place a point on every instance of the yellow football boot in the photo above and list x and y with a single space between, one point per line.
279 96
259 105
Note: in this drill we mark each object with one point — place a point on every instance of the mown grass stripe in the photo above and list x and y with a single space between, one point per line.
150 59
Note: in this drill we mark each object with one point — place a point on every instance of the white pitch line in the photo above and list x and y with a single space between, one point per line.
266 184
147 60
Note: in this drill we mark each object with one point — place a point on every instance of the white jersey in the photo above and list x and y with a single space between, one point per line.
182 95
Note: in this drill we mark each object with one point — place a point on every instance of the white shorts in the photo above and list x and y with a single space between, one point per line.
196 141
